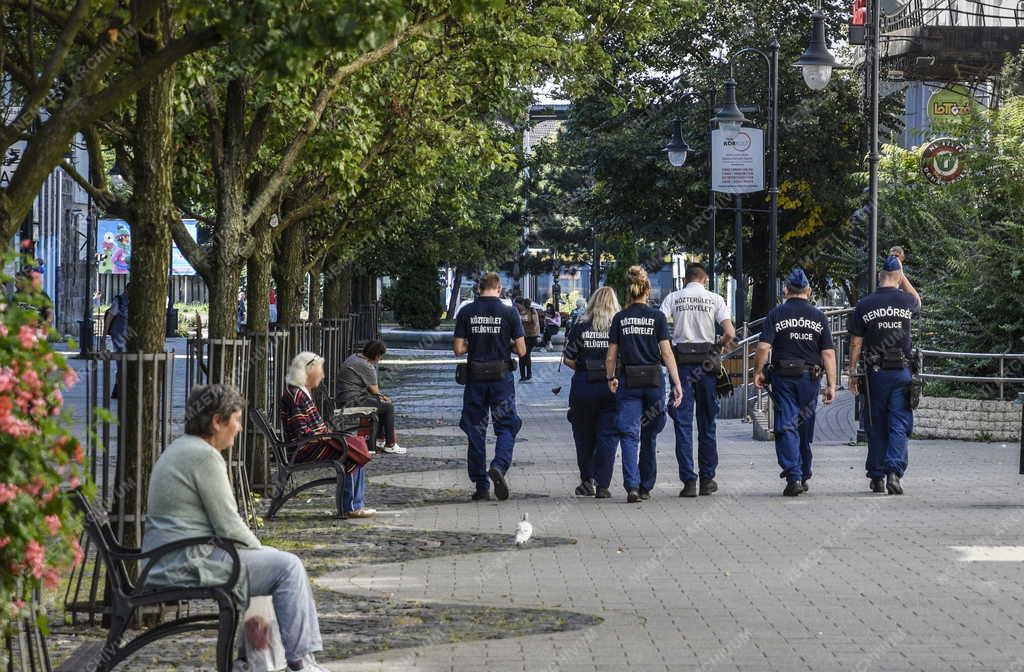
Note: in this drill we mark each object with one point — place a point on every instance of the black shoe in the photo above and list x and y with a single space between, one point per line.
481 495
877 485
588 488
500 485
893 485
632 496
803 484
603 493
793 488
707 486
580 490
645 494
689 489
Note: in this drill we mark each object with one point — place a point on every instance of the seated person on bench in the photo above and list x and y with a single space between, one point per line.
358 386
190 496
300 417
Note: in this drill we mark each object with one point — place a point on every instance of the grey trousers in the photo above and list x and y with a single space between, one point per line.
282 576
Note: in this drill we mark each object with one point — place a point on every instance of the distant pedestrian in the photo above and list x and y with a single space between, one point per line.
240 316
115 325
552 323
358 385
575 315
531 327
273 307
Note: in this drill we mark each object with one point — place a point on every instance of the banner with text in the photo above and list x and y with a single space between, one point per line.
737 164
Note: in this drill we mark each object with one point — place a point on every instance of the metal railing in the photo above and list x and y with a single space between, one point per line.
1008 360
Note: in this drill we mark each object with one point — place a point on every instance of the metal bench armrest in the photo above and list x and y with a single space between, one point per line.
154 555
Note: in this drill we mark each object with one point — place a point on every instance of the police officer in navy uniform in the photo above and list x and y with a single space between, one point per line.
592 409
639 340
695 313
880 360
488 330
797 337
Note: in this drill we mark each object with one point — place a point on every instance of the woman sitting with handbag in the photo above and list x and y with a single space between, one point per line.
300 417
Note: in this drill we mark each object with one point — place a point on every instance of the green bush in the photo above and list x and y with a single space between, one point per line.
416 297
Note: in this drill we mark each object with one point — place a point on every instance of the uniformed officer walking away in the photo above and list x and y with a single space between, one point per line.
638 341
695 312
592 410
488 330
880 360
797 337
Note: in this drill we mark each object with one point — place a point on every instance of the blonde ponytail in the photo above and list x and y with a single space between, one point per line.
639 284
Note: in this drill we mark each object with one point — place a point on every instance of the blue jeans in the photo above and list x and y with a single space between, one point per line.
699 390
497 400
890 422
282 576
352 499
592 414
795 401
641 415
118 343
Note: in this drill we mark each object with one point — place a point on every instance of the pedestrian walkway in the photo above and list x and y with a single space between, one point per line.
742 580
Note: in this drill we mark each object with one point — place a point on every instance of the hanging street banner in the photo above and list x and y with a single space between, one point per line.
114 248
737 165
942 161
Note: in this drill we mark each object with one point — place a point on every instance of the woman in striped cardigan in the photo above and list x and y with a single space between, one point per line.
300 417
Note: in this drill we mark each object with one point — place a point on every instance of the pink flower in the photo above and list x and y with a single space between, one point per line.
53 522
27 336
74 482
70 377
34 487
7 379
34 555
79 553
51 578
8 491
79 453
31 379
3 330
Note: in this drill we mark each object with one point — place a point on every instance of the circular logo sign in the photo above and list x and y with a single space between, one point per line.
740 143
942 161
949 103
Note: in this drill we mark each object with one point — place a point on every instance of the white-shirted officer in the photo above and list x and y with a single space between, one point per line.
695 313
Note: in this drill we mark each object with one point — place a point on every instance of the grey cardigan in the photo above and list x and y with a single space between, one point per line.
190 496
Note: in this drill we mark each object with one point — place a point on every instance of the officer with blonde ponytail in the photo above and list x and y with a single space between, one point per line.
638 346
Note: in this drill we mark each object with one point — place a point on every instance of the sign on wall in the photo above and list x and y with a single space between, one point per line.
942 161
737 164
114 248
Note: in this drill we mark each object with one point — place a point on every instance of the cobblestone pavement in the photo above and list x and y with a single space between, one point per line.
743 580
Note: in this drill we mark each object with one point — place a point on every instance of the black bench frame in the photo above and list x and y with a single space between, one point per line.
286 466
127 596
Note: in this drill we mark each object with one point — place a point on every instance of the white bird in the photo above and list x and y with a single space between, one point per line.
524 530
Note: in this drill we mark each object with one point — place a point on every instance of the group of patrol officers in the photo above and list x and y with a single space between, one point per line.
618 395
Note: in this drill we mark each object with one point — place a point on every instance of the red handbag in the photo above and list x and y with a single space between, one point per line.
358 454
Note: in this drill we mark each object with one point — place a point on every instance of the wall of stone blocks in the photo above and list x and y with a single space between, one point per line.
967 419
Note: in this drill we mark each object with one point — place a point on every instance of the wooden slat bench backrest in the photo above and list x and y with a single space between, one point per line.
100 532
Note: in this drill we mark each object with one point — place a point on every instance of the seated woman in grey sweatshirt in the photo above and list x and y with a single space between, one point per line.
190 496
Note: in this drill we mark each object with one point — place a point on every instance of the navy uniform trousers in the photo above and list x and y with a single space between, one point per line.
890 421
700 391
592 412
795 400
498 400
641 415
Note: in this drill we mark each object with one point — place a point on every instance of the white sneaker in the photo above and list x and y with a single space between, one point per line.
380 443
362 513
309 664
395 449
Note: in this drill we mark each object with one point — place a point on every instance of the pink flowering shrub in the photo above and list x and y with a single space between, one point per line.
38 454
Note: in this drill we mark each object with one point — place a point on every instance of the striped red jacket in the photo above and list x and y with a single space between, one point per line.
300 417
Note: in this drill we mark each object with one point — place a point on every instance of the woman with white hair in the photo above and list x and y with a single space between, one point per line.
300 418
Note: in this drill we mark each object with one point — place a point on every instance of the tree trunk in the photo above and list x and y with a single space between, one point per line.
316 292
453 302
337 289
151 208
258 279
288 272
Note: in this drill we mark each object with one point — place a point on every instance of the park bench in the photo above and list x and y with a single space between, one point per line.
128 596
284 454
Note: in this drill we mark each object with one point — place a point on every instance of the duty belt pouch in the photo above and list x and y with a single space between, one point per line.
596 372
488 372
914 391
893 359
693 353
647 375
789 368
462 373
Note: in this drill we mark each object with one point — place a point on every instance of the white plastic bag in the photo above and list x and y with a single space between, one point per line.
270 659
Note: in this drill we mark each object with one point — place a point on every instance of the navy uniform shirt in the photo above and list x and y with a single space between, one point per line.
638 330
797 330
586 344
883 318
490 326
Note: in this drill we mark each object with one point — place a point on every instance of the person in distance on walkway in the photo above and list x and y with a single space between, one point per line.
797 339
531 330
487 331
358 385
695 311
592 411
638 339
880 361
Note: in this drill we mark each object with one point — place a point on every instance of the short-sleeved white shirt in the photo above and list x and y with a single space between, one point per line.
694 312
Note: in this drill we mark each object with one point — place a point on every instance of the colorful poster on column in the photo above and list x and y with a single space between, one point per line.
114 248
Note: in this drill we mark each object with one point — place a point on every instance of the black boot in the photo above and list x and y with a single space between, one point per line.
500 484
632 496
803 484
645 494
602 493
877 485
689 489
893 485
481 495
793 488
708 486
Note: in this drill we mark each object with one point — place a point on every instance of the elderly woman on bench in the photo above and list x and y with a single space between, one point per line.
190 496
300 417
